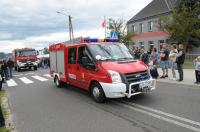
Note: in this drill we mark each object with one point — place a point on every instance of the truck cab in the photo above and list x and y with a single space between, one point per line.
25 59
106 69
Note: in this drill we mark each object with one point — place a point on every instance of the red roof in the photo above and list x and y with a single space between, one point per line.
151 34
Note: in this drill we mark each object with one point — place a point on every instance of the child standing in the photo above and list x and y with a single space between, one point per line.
197 69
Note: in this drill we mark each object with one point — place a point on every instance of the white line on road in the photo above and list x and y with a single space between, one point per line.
11 83
160 117
29 73
164 113
18 75
25 80
47 75
40 78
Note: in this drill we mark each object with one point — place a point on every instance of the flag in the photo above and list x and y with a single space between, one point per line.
104 23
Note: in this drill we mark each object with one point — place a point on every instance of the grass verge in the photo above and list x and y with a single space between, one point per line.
5 113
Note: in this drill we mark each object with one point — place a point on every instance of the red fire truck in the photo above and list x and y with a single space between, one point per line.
25 58
105 69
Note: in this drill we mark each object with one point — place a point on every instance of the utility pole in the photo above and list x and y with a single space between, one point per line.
71 32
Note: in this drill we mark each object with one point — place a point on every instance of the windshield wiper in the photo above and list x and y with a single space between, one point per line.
125 58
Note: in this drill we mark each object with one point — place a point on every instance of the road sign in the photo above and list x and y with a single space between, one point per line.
114 34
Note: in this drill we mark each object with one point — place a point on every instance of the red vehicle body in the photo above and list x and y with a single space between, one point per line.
106 69
25 58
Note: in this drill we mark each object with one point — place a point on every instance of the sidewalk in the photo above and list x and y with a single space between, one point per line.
189 77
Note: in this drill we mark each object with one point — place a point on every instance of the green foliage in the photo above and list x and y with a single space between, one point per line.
120 27
46 50
185 24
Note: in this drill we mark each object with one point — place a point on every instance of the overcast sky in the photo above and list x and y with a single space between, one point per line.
35 23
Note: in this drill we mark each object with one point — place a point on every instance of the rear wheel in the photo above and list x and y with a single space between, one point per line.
98 93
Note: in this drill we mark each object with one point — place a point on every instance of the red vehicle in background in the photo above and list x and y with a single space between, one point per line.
25 58
105 69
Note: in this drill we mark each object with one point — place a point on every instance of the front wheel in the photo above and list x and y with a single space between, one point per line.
98 93
58 83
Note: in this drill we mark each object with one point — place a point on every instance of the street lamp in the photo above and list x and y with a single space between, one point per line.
71 33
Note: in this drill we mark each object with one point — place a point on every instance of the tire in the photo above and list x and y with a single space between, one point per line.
18 69
58 83
97 93
35 68
15 68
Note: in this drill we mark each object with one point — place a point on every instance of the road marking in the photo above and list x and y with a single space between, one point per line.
25 80
29 73
18 75
11 83
47 75
164 113
160 117
40 78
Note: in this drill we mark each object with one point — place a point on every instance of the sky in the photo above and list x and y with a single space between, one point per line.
36 23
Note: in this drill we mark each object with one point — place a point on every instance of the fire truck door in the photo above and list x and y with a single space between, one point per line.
72 66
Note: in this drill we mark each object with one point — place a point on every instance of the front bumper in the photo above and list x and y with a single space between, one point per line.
27 65
119 90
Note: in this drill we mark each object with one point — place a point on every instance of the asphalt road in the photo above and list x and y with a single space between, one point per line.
38 106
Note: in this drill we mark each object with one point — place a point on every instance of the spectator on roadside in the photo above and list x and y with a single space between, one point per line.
172 59
154 56
136 53
1 80
164 63
197 69
180 61
10 65
144 56
4 69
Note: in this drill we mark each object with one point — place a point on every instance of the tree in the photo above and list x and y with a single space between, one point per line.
185 24
120 27
46 50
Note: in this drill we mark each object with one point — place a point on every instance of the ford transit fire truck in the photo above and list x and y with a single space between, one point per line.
105 68
25 58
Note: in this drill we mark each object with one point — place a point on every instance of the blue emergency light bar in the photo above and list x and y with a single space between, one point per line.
90 40
111 40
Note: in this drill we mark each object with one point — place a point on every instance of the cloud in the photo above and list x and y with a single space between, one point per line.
25 21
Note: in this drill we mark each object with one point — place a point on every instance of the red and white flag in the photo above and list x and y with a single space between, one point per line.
104 23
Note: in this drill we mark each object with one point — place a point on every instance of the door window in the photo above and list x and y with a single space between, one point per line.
72 56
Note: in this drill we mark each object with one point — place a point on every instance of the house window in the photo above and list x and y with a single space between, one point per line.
133 27
150 26
141 27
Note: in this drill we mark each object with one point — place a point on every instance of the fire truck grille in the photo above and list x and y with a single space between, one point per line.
135 77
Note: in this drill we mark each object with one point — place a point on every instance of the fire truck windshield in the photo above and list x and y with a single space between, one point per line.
26 52
115 52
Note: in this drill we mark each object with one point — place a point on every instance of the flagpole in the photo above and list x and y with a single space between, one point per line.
105 25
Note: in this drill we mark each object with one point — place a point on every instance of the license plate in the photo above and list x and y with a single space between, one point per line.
145 85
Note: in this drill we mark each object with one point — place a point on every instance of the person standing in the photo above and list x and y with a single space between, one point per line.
180 61
154 56
172 59
164 63
136 53
144 56
197 69
1 80
10 65
4 69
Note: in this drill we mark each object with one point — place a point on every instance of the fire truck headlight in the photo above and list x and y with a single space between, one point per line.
116 78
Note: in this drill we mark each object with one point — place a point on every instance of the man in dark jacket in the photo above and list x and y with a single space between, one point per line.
10 65
4 69
144 56
180 61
